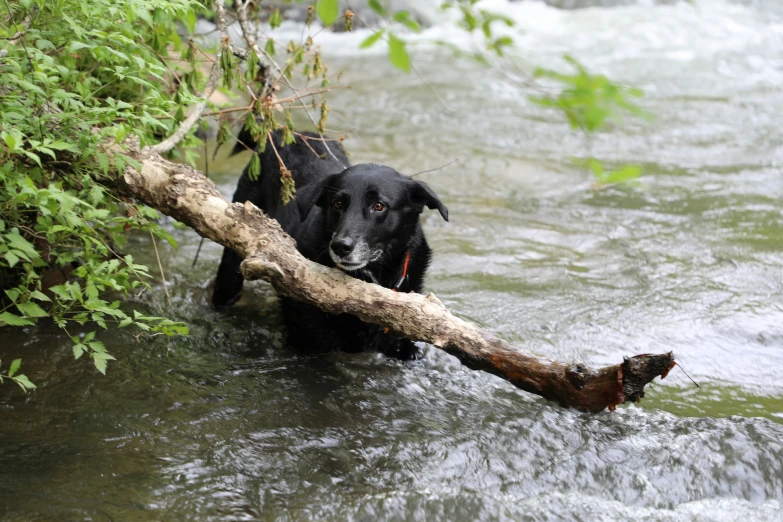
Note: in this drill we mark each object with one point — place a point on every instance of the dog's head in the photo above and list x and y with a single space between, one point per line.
368 210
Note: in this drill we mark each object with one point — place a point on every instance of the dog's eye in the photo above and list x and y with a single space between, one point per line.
337 204
378 206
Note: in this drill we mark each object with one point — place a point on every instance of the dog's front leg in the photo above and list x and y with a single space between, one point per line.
392 345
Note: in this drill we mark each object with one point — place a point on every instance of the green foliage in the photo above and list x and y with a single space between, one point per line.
606 177
82 75
372 39
20 379
405 19
482 21
398 54
589 101
275 19
328 11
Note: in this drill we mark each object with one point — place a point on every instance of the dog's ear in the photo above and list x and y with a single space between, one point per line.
312 194
422 195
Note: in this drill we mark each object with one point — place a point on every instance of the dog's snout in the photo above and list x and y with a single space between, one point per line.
342 246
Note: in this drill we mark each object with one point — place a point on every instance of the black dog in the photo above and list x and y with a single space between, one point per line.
363 219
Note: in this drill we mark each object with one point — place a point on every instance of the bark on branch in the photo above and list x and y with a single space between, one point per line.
270 254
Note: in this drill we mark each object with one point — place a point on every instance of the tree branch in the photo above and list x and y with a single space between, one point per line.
270 254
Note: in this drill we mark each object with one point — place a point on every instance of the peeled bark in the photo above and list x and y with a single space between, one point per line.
270 254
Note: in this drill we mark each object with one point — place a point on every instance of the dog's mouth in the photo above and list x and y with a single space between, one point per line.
349 267
359 258
346 265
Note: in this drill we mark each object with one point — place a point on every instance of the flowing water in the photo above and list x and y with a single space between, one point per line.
228 424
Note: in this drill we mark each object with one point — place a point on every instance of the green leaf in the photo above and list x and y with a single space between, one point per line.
15 364
120 135
328 11
190 20
103 161
14 320
78 350
97 346
96 194
377 6
13 294
44 44
31 310
398 54
625 173
254 167
59 145
372 39
275 19
596 166
11 258
24 382
90 290
35 294
404 18
468 19
10 141
61 291
75 46
100 359
33 156
500 43
19 243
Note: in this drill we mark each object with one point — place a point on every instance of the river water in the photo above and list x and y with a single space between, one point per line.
228 424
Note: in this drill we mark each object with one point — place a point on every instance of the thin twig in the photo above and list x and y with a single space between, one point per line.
272 143
309 93
160 267
226 111
431 87
304 140
686 374
326 145
206 173
317 139
436 168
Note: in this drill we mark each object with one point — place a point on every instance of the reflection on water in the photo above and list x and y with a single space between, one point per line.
229 424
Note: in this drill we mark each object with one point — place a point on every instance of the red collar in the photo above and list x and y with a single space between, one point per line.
404 277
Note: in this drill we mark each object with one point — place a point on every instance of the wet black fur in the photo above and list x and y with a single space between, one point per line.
312 221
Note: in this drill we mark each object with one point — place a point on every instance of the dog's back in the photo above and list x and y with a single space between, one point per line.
308 160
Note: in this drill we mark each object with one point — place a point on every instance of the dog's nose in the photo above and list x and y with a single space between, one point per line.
342 246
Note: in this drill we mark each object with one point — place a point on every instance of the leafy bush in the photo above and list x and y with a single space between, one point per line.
74 74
